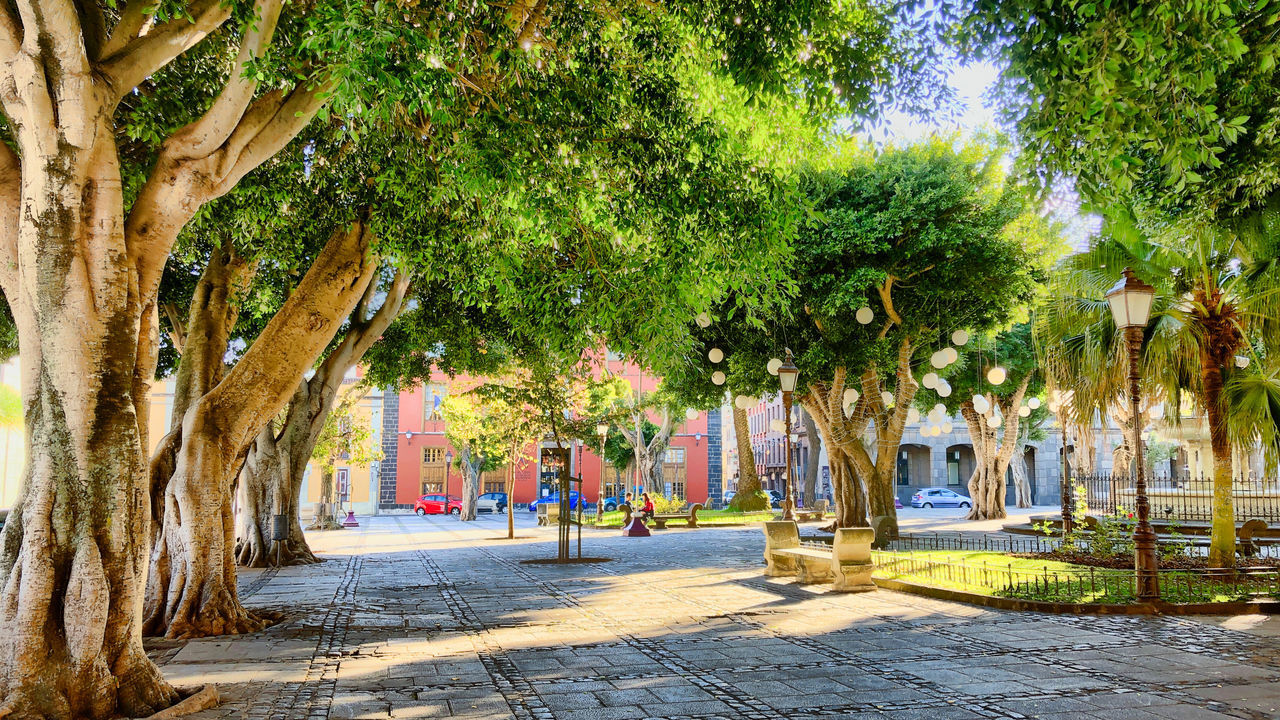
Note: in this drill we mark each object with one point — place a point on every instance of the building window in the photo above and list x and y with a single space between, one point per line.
674 472
433 470
433 396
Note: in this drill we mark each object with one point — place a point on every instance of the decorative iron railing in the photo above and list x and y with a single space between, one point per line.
1185 499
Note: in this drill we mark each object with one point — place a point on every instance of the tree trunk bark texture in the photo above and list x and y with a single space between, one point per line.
270 485
993 454
471 484
745 498
815 452
1222 532
191 588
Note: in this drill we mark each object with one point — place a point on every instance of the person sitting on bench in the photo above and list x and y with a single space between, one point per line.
646 510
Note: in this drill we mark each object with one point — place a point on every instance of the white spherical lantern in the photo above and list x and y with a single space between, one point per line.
993 421
944 388
913 415
886 397
980 404
1024 411
947 428
864 315
704 320
851 396
950 354
960 337
996 375
773 366
940 408
741 402
930 380
1242 362
691 414
938 360
1053 407
717 377
716 355
1034 403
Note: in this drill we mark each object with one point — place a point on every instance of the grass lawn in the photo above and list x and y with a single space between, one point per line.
1002 575
705 517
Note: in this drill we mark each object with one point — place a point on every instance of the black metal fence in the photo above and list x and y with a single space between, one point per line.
1185 499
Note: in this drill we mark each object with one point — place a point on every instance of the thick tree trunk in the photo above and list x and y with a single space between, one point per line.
470 484
1021 483
987 486
648 456
511 495
191 589
815 451
745 498
269 487
1222 533
326 514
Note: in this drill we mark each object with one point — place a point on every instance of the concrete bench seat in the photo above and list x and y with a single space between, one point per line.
817 512
846 564
689 515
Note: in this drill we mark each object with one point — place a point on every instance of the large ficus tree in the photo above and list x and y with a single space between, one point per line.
124 119
917 235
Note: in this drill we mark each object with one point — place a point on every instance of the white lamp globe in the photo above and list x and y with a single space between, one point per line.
980 404
944 388
938 360
691 414
1034 403
850 396
717 377
930 380
935 416
913 415
960 337
950 354
886 397
773 366
716 355
1242 361
940 408
864 315
1024 411
993 421
946 427
996 375
704 320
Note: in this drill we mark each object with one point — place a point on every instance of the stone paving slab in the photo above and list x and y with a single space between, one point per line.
431 618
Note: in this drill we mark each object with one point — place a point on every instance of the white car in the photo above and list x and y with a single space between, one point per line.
494 502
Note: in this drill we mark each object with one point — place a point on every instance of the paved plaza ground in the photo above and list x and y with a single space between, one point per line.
427 617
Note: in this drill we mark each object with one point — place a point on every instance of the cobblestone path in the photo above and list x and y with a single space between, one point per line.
420 617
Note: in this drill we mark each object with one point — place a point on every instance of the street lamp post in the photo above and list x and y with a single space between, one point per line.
1130 301
448 464
602 429
788 373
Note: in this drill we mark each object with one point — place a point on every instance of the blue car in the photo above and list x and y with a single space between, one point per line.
939 497
554 498
612 503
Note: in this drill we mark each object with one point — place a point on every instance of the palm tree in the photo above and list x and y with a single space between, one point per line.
1218 289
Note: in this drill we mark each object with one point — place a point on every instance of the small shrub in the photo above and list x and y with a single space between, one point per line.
667 505
751 502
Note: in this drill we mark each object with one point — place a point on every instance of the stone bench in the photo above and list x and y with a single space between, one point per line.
847 563
817 512
689 515
548 513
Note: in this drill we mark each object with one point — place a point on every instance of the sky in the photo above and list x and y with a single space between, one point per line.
975 110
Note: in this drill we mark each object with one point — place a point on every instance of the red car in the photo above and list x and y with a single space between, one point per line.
438 505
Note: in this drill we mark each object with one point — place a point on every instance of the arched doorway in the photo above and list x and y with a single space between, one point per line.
960 464
912 470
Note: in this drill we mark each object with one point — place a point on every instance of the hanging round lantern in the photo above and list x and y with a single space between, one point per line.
1242 362
1024 411
703 320
773 366
717 377
944 389
716 355
938 360
913 415
864 315
960 337
1034 403
691 414
950 354
996 375
930 380
851 396
947 428
993 421
886 397
980 404
940 408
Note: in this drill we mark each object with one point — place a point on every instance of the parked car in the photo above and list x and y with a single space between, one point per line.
494 502
728 496
775 498
438 505
554 498
939 497
612 503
